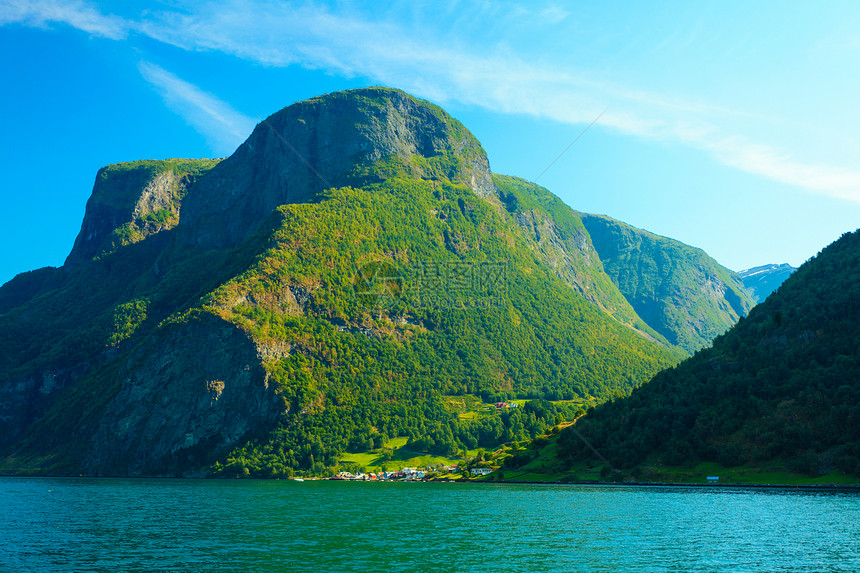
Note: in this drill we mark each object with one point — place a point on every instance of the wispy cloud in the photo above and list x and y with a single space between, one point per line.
77 14
224 127
774 164
401 51
312 36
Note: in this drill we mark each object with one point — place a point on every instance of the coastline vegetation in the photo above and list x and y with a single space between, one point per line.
775 398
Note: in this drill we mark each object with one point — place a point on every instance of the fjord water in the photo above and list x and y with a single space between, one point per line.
70 524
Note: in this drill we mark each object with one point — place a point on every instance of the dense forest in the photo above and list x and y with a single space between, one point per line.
782 385
365 375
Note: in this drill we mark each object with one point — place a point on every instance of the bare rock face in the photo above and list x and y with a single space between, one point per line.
345 138
132 201
24 399
195 390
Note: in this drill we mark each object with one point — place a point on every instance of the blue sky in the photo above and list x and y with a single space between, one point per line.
731 126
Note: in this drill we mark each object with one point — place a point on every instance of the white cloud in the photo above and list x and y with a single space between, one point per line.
405 53
771 163
77 14
311 36
554 14
224 127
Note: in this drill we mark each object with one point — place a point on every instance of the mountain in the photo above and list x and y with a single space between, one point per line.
763 280
350 270
679 290
132 201
557 235
355 138
780 389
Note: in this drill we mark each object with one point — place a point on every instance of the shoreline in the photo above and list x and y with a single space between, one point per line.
810 487
801 487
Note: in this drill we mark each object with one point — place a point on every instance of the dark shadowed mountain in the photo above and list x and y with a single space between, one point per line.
781 387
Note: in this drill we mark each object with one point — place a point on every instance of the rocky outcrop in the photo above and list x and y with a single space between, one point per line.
25 399
132 201
345 138
193 391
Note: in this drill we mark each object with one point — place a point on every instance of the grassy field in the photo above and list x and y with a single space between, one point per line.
471 407
400 457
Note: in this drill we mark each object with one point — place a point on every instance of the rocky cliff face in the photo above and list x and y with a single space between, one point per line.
25 398
192 391
132 201
344 138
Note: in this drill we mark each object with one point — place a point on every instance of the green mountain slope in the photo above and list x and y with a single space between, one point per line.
677 289
557 234
323 289
781 387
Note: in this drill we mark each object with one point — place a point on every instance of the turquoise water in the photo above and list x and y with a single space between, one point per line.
73 524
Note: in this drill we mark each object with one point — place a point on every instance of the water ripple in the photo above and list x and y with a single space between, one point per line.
189 525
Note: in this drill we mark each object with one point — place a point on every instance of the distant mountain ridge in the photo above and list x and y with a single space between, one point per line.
677 289
762 280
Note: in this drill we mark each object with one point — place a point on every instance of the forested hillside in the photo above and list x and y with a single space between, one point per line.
263 314
555 232
679 290
782 386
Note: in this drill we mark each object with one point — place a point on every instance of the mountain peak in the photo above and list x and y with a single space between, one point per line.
762 280
131 201
349 137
